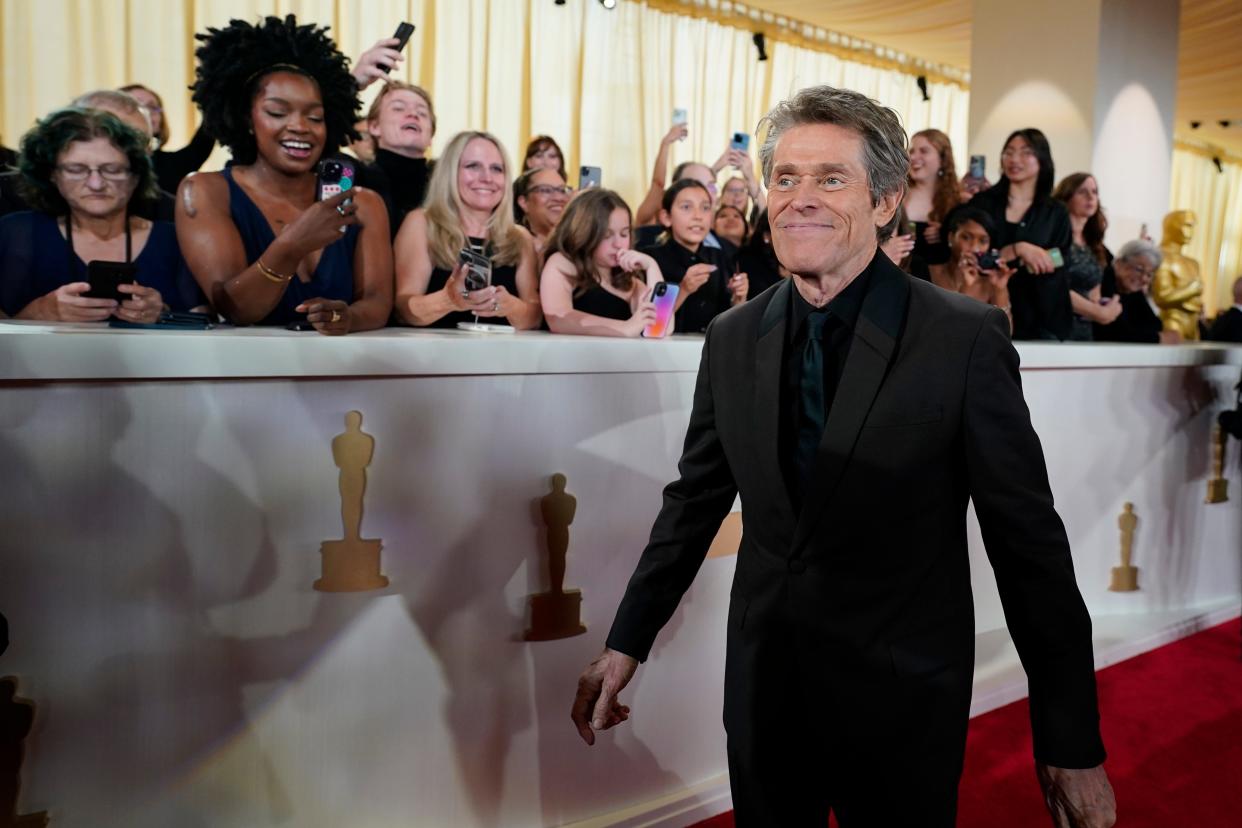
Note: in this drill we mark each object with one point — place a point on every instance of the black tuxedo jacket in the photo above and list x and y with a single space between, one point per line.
864 595
1227 327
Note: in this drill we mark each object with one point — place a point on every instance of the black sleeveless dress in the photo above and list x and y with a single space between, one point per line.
599 302
505 275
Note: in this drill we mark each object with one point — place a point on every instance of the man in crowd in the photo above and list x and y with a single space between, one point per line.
857 411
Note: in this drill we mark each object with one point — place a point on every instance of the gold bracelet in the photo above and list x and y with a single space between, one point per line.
271 275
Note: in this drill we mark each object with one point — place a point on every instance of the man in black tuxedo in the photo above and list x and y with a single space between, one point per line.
857 411
1228 325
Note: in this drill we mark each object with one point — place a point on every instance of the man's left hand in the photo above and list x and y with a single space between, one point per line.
1078 798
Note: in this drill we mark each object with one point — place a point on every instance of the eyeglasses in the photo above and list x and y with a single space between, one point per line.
1024 152
81 172
1145 272
549 190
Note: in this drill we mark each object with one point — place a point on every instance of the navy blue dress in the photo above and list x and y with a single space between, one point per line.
333 277
35 260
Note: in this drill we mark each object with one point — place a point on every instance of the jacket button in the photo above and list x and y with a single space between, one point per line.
797 566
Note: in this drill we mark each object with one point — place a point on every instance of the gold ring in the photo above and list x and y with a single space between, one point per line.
336 315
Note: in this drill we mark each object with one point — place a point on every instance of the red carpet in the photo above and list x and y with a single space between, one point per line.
1172 721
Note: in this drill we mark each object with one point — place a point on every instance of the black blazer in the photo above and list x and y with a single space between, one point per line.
871 578
1227 327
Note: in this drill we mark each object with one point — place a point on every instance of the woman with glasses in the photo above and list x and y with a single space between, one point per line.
170 165
86 177
1033 233
539 198
1129 278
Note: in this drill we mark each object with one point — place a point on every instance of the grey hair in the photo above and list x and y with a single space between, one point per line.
884 139
1135 248
119 100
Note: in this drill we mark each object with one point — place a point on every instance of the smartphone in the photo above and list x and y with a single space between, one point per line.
403 35
911 229
106 277
977 163
988 259
336 175
741 141
478 273
589 177
664 295
1058 260
680 116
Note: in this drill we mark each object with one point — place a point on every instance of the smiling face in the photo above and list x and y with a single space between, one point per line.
1134 275
288 120
616 239
545 200
924 159
1085 202
730 224
690 218
403 124
1018 161
104 190
547 157
819 202
481 175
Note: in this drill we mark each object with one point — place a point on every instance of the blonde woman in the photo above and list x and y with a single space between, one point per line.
469 206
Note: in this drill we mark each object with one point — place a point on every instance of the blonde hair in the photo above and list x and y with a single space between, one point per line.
394 86
443 208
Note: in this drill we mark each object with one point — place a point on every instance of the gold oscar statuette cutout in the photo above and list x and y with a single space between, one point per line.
1218 486
1125 577
556 613
352 564
16 720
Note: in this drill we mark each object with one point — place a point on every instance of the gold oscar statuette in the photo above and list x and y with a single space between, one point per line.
1218 486
352 564
1125 577
1177 287
556 613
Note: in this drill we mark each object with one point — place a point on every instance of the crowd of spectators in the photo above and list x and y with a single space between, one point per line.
258 243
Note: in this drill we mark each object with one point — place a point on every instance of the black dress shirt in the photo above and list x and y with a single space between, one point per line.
842 313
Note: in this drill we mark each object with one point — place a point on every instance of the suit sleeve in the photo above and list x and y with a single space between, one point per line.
1030 554
694 506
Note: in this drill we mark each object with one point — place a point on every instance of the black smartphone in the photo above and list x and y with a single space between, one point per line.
977 163
106 277
402 34
335 175
988 259
478 273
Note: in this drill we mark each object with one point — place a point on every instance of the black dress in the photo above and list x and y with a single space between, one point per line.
599 302
931 254
171 167
1041 303
712 298
505 275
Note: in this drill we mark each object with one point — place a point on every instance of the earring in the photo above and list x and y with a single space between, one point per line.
940 173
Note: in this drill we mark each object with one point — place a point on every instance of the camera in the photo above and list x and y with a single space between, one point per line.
988 259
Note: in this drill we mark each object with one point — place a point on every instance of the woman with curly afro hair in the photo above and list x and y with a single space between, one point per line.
280 96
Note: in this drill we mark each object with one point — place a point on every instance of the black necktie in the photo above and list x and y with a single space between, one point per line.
812 410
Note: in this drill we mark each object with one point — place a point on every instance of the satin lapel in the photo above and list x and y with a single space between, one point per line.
875 339
769 352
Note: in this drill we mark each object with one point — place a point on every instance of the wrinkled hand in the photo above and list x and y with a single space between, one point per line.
677 133
144 304
898 247
696 276
1078 798
1034 257
328 316
596 706
739 287
369 67
321 224
67 304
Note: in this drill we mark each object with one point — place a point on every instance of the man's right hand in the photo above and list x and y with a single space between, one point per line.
596 706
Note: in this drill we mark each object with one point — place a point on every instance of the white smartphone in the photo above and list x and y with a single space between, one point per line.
680 116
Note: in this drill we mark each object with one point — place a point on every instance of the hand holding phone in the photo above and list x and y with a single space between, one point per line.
740 141
680 117
476 270
664 299
106 278
589 177
402 36
335 175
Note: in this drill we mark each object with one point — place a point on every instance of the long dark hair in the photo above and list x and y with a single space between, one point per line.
1038 143
1093 230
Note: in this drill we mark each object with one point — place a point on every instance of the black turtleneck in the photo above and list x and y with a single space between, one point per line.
400 181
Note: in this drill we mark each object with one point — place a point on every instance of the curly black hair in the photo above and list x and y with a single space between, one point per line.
232 61
47 139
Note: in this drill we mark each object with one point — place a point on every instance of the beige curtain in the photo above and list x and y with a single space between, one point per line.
603 83
1216 199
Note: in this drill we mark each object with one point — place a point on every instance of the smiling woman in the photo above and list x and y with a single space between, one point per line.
280 96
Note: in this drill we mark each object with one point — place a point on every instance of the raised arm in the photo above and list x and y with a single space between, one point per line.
649 207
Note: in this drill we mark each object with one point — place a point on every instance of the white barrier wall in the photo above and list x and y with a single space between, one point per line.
165 495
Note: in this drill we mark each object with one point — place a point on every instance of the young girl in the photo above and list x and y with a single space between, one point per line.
593 283
709 286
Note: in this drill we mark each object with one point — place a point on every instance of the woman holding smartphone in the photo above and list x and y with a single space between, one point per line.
593 283
1034 229
469 209
709 287
261 246
931 192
